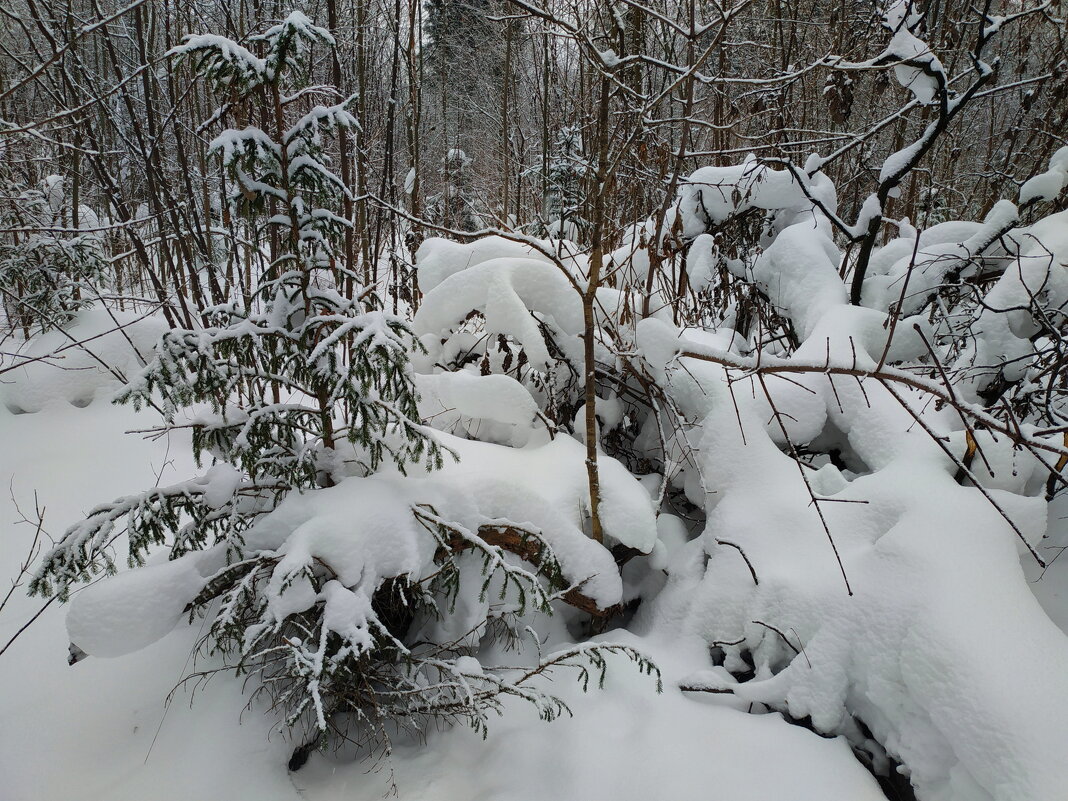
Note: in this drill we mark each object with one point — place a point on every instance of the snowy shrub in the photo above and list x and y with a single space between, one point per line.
868 475
508 311
360 608
48 272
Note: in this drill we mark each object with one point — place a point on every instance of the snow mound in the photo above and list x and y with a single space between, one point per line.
506 291
1048 185
489 407
365 531
437 258
132 609
936 581
710 195
90 358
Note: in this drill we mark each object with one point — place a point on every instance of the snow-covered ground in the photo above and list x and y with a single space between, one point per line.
101 729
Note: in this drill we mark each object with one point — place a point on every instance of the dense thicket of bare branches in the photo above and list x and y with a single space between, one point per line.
493 114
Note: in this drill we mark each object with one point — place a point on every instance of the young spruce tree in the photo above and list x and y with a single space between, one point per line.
303 350
290 377
48 270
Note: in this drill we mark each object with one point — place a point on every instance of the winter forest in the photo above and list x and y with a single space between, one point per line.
519 400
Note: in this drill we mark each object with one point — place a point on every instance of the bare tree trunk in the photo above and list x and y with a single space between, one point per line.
589 298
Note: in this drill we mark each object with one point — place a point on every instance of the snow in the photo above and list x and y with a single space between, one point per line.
1004 325
125 744
701 262
922 679
133 609
56 369
870 210
932 569
471 403
624 743
907 273
237 57
922 74
712 194
1045 186
437 258
504 289
232 142
895 164
609 58
221 482
555 473
800 274
1048 185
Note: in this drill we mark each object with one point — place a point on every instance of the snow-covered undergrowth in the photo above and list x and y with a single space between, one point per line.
804 504
865 507
942 654
100 730
365 530
876 590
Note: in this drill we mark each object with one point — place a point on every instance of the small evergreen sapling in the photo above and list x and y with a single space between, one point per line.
47 269
303 349
276 372
289 379
568 169
454 206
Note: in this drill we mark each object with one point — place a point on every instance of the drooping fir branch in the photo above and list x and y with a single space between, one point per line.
344 665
